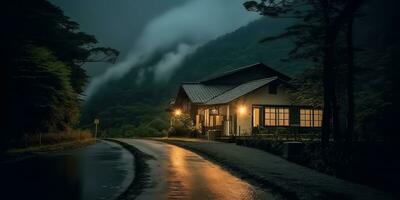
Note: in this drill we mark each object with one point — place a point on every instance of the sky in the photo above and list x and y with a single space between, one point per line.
139 29
115 23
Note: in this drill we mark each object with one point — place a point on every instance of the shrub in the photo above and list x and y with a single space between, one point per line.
182 126
271 146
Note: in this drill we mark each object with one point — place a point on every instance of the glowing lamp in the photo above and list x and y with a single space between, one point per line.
242 110
177 112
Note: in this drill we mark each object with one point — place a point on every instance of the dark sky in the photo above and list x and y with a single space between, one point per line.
115 23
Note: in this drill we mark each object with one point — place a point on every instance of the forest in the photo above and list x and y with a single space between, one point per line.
342 56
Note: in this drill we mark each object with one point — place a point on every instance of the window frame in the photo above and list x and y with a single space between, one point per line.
311 116
277 115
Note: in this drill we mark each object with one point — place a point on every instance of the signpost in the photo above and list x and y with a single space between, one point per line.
96 122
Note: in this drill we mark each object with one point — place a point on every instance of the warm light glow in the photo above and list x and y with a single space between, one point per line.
242 110
177 112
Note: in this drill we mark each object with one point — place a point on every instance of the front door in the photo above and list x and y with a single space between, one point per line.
256 119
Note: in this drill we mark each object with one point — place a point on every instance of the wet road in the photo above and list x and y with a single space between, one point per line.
177 173
100 171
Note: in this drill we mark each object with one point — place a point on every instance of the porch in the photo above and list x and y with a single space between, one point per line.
272 122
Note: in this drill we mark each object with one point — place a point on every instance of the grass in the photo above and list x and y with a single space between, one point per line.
56 138
50 142
62 146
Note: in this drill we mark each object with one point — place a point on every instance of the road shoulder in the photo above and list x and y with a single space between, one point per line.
269 171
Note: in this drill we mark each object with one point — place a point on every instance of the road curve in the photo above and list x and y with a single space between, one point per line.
176 173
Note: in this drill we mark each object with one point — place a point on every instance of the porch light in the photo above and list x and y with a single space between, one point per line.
242 110
177 112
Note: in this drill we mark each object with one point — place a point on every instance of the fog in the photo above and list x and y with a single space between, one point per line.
177 33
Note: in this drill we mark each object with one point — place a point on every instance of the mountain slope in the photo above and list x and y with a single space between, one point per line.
239 48
146 101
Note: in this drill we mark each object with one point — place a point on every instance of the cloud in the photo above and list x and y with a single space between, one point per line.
171 60
182 29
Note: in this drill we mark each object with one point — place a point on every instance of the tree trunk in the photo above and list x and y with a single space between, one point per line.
350 80
329 86
329 76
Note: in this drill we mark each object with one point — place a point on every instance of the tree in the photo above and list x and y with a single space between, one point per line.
316 39
43 92
44 54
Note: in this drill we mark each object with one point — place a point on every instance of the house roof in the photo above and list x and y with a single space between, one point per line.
239 91
200 93
230 85
245 74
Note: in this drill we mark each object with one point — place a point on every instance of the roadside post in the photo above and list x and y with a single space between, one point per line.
96 122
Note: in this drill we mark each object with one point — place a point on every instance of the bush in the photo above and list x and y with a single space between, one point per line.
182 126
159 124
271 146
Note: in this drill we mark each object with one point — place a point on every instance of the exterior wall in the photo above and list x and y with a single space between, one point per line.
260 96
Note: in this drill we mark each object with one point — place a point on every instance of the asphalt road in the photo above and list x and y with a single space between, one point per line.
176 173
100 171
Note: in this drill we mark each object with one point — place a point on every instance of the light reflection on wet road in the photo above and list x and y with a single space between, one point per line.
177 173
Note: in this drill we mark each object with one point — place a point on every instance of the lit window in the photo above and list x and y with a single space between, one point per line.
310 117
278 116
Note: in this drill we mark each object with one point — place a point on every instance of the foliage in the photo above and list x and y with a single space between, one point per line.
307 88
374 105
45 51
43 92
363 162
272 146
128 130
182 126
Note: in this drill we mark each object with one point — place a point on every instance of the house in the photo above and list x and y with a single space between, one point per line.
249 100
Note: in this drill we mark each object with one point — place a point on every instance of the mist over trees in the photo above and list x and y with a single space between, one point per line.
44 54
